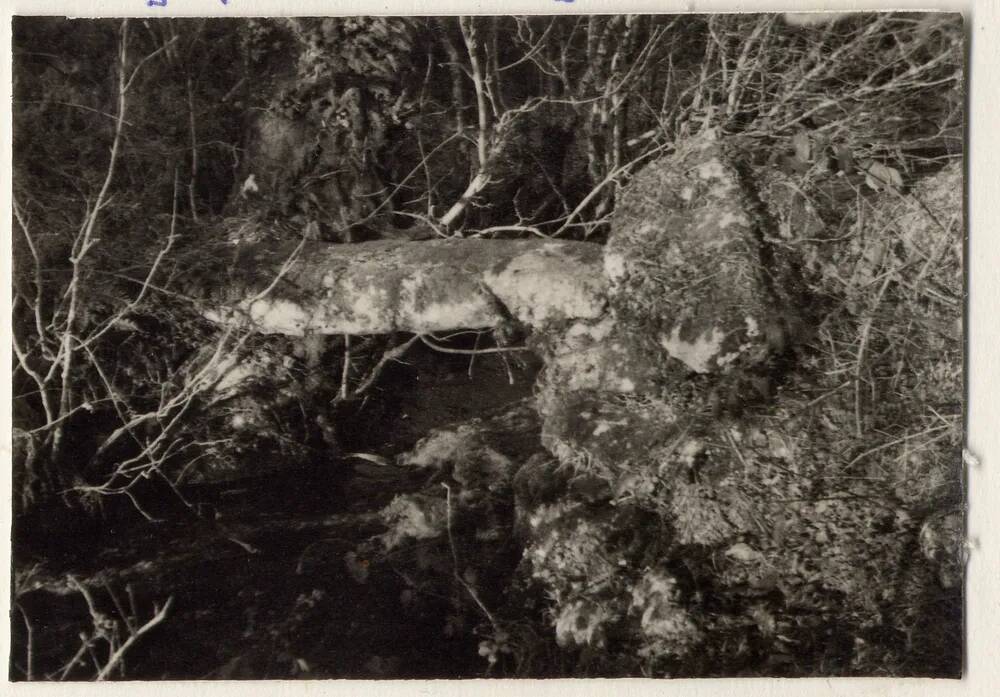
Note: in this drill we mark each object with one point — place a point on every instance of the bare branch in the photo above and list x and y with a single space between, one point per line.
470 352
117 656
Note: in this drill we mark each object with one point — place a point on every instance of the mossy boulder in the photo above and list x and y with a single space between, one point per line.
691 270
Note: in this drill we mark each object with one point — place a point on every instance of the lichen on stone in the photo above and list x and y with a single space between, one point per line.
413 517
663 619
581 623
685 261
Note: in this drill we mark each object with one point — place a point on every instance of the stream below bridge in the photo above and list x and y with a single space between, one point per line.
293 608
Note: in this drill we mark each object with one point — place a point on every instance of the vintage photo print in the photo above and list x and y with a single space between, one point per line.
496 346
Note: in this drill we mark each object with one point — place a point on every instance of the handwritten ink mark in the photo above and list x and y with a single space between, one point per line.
163 3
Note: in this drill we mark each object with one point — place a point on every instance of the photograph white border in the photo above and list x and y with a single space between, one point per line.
982 667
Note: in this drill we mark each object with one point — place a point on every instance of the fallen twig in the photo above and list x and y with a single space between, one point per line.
454 556
117 656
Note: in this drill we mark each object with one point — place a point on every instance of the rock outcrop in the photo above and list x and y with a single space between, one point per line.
670 501
690 267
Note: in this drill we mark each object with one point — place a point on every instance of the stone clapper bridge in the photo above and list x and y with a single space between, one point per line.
686 285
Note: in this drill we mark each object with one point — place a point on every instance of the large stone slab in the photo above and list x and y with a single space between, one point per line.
438 285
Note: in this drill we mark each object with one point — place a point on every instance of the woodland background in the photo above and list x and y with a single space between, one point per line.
152 157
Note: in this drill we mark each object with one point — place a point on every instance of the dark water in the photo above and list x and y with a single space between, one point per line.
292 608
